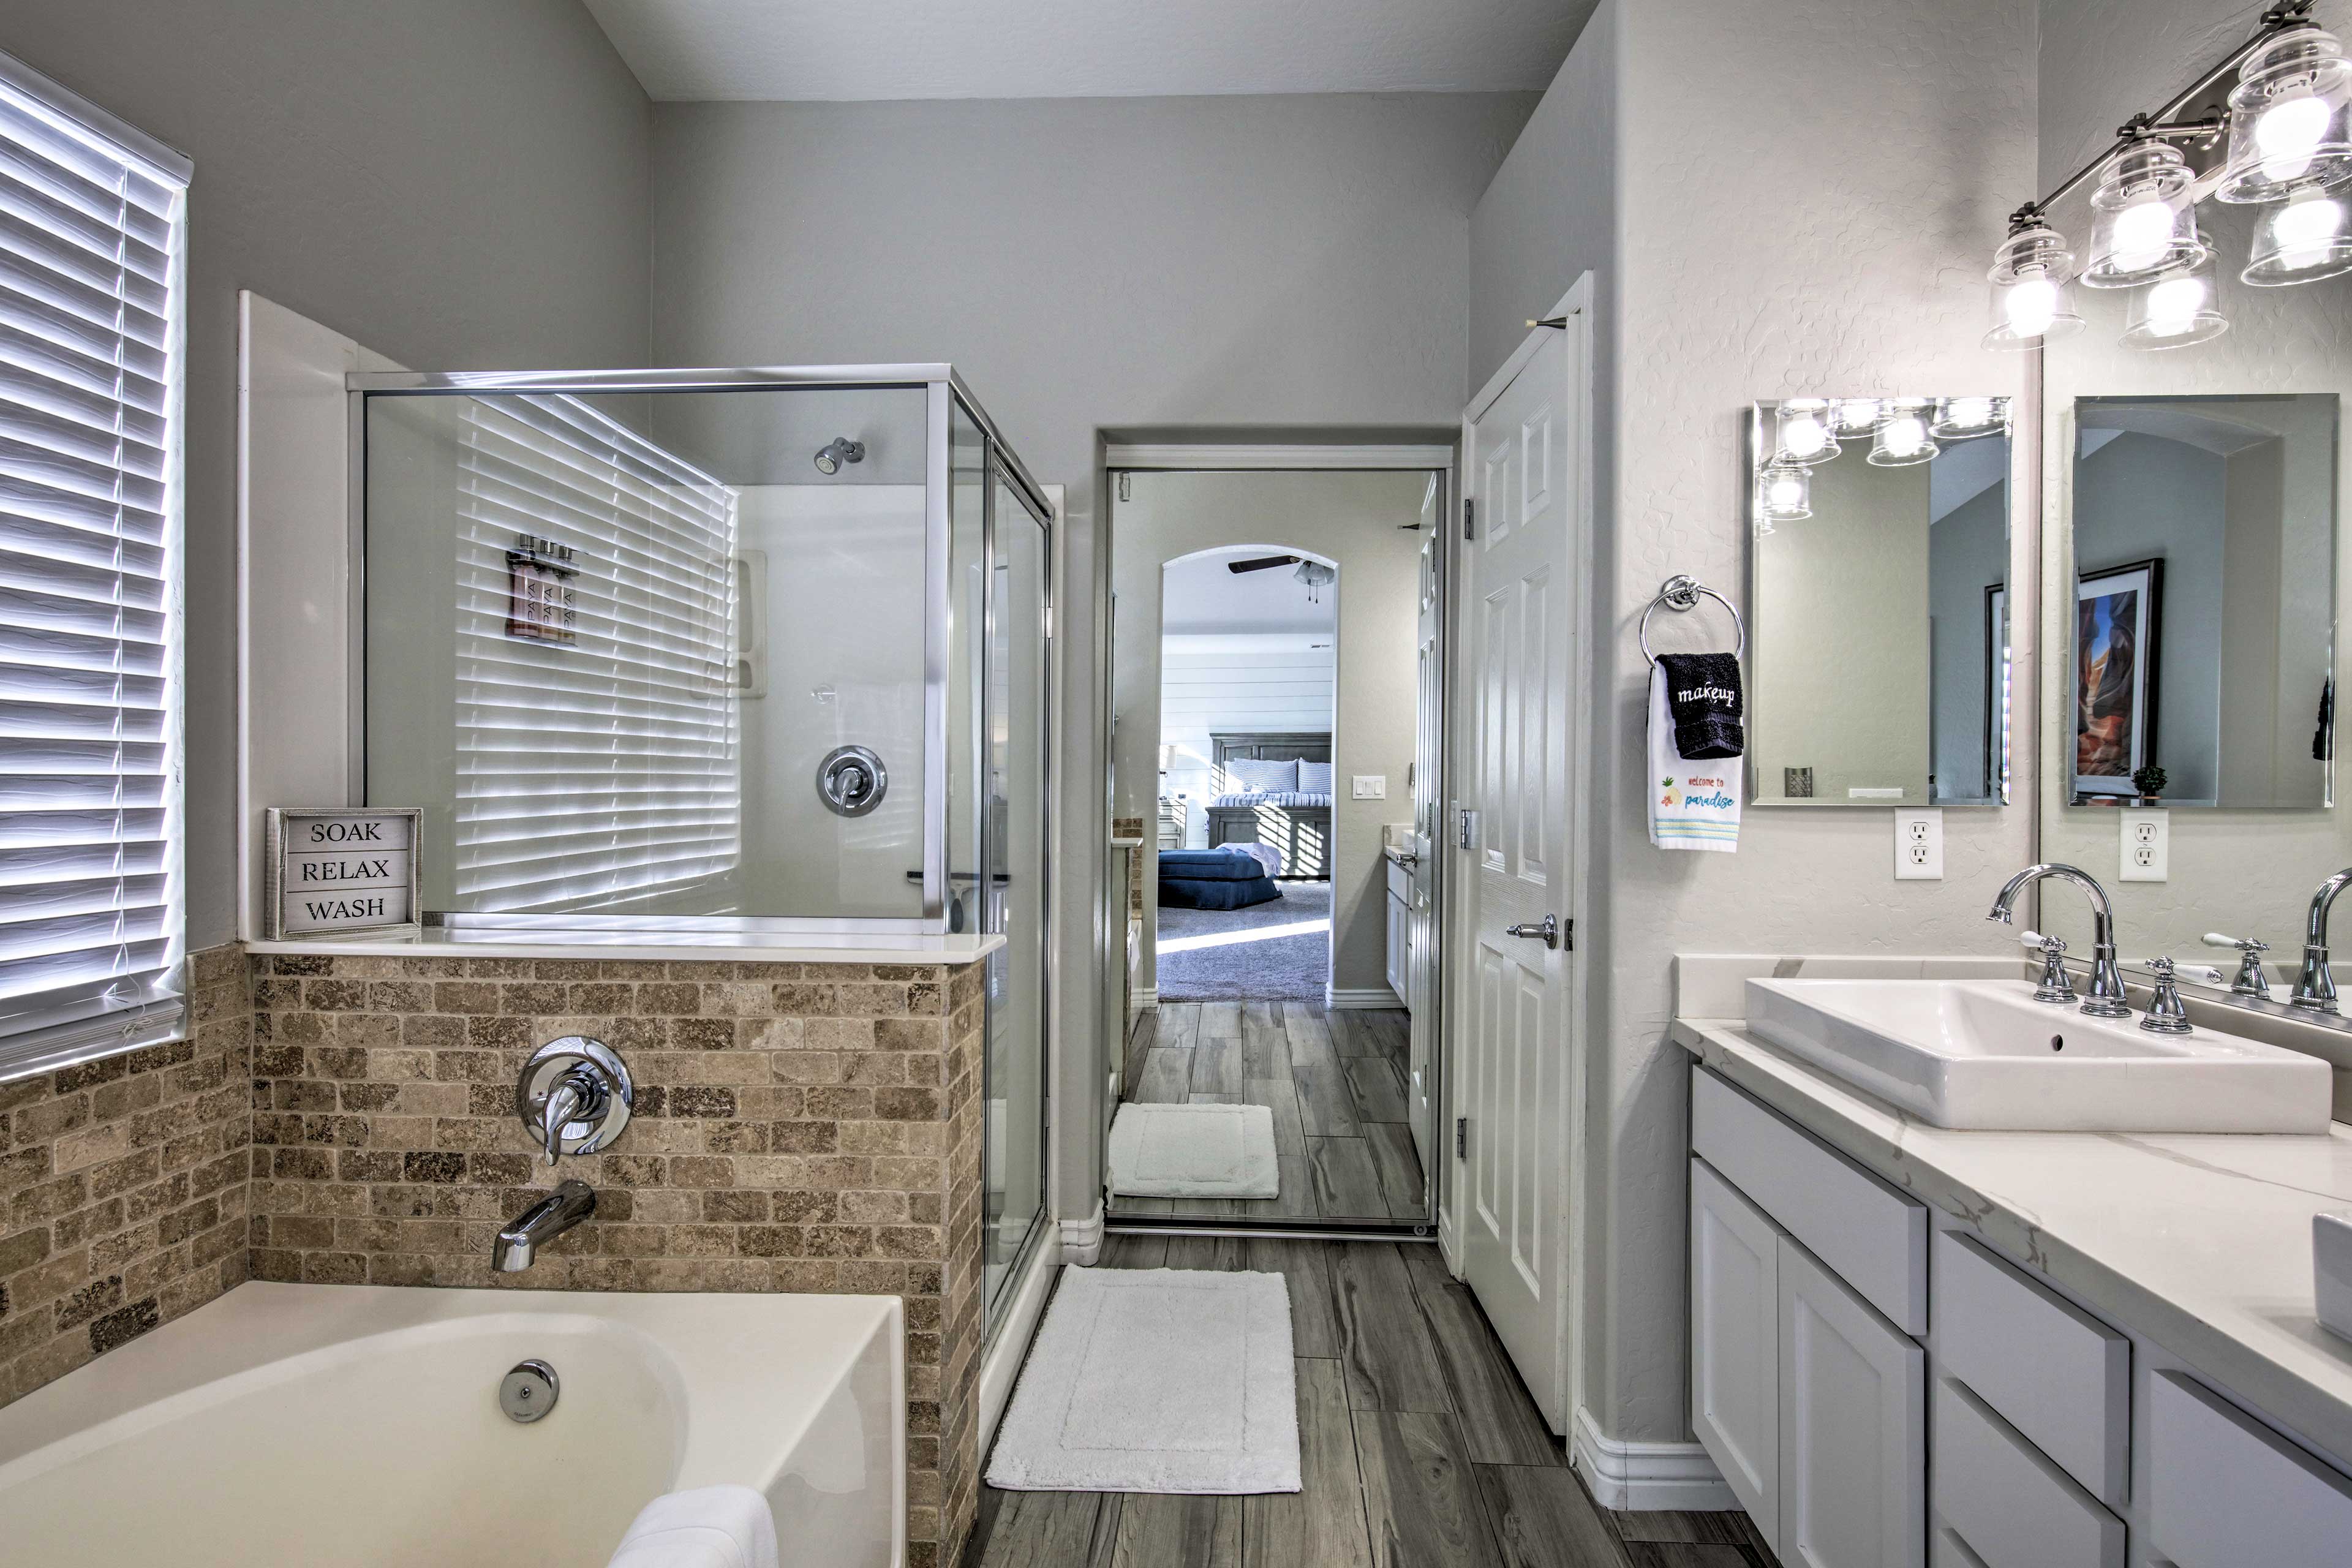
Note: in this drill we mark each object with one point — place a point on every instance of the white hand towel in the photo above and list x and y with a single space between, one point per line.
709 1527
1692 805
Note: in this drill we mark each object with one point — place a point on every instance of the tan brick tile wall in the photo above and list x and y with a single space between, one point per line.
797 1129
123 1188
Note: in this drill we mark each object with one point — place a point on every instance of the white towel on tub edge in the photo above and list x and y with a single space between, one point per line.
708 1527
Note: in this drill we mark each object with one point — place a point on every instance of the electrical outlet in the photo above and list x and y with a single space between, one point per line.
1371 786
1919 846
2147 845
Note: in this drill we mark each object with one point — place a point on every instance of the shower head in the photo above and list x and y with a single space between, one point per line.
839 450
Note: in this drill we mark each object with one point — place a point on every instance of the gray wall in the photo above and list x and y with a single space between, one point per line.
1968 551
452 184
1746 267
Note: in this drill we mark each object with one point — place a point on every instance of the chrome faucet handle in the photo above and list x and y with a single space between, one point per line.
2249 980
2055 985
575 1095
2167 1015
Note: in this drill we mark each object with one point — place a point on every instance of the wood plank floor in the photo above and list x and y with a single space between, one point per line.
1336 1084
1417 1446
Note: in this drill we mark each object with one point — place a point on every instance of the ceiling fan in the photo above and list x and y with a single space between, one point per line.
1314 574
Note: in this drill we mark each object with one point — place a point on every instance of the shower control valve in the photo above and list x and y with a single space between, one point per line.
574 1094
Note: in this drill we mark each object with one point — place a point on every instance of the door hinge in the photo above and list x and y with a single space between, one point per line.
1469 518
1046 622
1460 1137
1568 936
1126 486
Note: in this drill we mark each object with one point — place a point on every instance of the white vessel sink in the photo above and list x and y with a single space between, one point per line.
1982 1054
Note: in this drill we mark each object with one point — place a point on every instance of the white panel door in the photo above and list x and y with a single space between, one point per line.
1736 1342
1854 1427
1520 591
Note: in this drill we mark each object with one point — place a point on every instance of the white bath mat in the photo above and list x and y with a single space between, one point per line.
1156 1380
1193 1151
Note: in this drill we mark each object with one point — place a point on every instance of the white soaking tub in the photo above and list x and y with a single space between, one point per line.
358 1426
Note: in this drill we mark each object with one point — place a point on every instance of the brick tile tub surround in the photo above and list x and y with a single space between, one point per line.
123 1187
798 1128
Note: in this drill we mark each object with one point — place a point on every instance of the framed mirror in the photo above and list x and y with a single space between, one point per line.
2192 555
1879 673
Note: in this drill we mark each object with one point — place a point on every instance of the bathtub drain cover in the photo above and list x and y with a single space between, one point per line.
528 1391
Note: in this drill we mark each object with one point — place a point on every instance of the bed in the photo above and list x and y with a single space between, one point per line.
1296 822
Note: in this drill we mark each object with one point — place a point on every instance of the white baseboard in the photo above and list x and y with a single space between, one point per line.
1147 996
1646 1476
1363 996
1082 1240
1000 1363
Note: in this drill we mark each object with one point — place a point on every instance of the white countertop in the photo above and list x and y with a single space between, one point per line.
660 947
2199 1242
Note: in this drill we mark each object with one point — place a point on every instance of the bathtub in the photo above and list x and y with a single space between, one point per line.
358 1426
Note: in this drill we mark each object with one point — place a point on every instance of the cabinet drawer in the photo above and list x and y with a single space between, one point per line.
1870 1236
1399 884
2013 1507
2225 1491
2053 1372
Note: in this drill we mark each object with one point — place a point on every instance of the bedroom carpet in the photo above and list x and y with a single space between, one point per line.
1249 955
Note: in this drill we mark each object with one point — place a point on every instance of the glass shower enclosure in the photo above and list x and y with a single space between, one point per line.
749 656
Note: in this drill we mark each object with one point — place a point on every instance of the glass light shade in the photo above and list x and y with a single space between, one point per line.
1853 416
1784 493
2028 277
2303 239
2288 119
1802 434
1902 437
1962 418
2146 225
2176 311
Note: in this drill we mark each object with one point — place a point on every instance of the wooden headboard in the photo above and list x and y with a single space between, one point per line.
1307 747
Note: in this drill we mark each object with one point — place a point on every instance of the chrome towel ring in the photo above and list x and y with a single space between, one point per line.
1680 593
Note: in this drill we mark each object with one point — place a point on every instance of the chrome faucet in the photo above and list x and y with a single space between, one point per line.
518 1245
2249 980
2106 999
2167 1015
2317 988
574 1094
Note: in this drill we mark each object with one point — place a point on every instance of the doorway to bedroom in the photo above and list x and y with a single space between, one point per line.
1273 642
1248 670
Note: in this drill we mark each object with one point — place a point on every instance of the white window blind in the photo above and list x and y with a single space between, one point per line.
92 269
603 775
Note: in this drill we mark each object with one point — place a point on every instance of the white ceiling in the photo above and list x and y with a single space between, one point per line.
692 50
1197 596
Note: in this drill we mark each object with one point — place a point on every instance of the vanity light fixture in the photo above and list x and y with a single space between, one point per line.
2030 274
1902 438
2176 310
1964 418
1784 493
2301 241
2289 126
1803 436
2146 225
1854 416
2288 130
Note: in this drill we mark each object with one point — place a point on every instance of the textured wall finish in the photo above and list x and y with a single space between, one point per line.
122 1188
798 1128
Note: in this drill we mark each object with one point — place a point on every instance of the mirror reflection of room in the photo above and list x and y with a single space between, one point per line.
1880 595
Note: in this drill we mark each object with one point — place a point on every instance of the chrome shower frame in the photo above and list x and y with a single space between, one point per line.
947 394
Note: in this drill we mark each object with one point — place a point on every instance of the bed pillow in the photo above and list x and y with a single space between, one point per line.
1314 778
1252 777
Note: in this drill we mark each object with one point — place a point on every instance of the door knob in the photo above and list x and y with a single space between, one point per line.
1547 932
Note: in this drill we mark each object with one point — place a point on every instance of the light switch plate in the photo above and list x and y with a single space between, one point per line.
2147 845
1371 786
1919 846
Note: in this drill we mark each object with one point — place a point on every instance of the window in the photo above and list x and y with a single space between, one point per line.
92 279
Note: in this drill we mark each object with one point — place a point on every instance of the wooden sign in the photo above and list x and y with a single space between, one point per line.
339 872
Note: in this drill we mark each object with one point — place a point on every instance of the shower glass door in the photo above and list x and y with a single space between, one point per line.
1015 746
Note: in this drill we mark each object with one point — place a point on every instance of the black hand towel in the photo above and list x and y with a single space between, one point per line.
1703 694
2323 744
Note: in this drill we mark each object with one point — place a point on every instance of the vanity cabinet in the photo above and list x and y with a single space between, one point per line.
1839 1333
1399 905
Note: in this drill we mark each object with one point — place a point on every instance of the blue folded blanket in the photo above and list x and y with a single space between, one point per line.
1209 865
